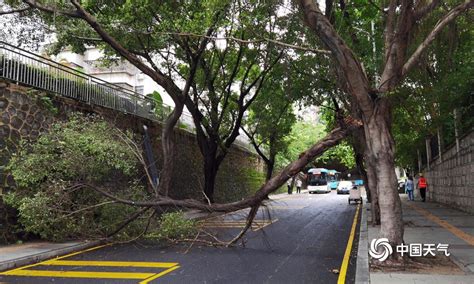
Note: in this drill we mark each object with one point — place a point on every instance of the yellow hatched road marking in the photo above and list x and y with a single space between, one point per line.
347 255
158 275
146 277
110 263
80 274
256 225
234 222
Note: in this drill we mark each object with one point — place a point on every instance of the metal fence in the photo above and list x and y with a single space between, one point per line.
29 69
26 68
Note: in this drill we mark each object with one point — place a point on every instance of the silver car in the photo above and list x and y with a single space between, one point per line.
344 187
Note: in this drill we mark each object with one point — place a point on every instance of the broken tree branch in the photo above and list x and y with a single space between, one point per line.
332 139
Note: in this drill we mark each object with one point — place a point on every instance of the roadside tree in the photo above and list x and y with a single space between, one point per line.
402 49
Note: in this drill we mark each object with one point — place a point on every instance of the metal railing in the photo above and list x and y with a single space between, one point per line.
30 69
26 68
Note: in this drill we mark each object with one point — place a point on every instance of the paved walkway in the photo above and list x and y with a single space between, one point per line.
432 223
17 255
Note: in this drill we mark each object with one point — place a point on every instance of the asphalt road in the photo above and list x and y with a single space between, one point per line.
300 238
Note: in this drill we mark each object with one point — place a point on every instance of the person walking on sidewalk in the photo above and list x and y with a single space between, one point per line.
409 187
422 185
290 186
299 183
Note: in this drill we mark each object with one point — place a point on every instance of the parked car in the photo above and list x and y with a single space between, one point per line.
344 187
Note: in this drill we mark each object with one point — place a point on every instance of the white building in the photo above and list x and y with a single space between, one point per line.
122 74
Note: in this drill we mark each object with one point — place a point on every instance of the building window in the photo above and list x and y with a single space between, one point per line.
139 89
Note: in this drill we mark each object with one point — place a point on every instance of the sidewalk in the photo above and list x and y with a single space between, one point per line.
17 255
430 223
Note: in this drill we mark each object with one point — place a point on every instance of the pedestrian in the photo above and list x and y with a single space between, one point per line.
289 184
422 185
409 187
298 185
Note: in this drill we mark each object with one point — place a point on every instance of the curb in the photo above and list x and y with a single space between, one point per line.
464 267
362 266
27 260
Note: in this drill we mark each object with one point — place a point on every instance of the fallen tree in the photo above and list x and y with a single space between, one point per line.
332 139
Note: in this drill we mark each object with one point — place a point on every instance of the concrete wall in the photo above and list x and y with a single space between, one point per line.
451 181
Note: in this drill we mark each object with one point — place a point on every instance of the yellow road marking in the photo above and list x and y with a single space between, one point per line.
82 251
158 275
264 225
110 263
22 271
81 274
256 225
347 254
457 232
237 222
61 257
283 207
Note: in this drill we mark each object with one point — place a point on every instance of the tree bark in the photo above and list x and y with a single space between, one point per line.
372 188
211 167
213 158
366 167
380 146
168 144
270 167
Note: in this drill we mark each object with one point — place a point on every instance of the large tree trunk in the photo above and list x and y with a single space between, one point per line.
210 173
211 166
372 188
400 20
365 165
381 149
270 167
168 145
359 160
270 164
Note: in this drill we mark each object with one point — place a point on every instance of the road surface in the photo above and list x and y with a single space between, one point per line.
301 238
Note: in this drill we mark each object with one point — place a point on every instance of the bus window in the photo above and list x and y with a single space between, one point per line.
317 179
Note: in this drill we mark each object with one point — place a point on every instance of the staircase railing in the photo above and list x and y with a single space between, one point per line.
26 68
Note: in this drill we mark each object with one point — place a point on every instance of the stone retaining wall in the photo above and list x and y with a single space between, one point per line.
451 181
26 113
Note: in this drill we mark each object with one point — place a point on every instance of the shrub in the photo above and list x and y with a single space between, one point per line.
174 226
49 173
